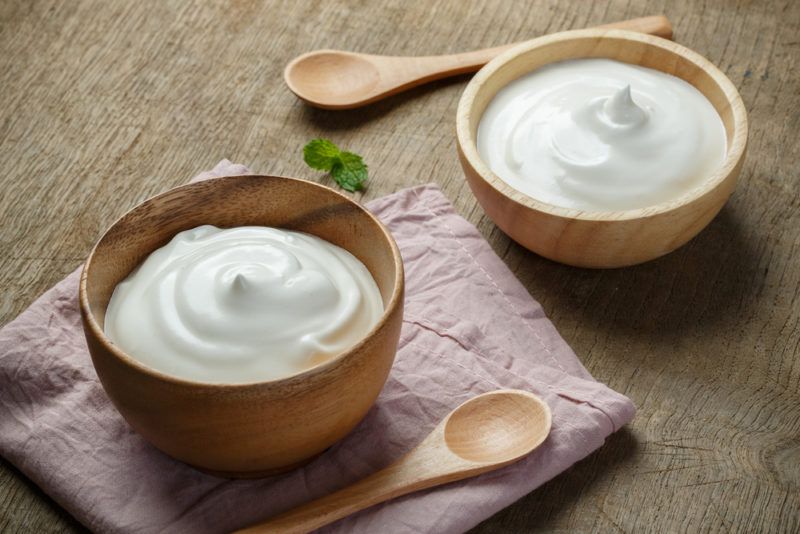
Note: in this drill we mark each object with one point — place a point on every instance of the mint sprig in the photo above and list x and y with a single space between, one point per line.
347 168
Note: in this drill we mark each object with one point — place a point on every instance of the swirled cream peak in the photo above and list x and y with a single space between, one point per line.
621 111
601 135
242 305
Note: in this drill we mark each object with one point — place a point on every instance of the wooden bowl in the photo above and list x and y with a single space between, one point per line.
602 238
245 430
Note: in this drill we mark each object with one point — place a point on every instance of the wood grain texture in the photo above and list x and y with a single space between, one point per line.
106 103
245 430
601 239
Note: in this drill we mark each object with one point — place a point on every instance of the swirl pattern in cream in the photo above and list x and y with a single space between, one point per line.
601 135
242 305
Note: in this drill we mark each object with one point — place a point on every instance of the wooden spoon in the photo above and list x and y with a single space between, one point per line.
485 433
334 79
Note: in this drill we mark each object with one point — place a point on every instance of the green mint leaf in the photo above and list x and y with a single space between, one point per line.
349 171
321 154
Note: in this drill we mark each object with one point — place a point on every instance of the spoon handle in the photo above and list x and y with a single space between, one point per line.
454 64
657 25
428 465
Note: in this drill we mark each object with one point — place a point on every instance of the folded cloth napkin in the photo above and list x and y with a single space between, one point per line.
469 327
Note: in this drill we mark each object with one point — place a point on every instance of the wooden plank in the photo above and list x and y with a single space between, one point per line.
105 103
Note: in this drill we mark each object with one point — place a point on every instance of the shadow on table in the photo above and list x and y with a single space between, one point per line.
336 120
544 508
699 289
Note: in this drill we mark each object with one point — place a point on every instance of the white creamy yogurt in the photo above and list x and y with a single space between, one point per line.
601 135
242 304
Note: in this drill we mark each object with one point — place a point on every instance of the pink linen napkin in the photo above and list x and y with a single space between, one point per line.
469 327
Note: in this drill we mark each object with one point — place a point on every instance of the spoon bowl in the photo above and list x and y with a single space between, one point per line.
496 427
332 78
485 433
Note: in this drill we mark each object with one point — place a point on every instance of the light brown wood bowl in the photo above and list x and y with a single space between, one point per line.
601 239
245 430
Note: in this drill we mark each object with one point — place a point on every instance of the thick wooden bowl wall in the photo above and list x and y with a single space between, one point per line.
607 239
245 430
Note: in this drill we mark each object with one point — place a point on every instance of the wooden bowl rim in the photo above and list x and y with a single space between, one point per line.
292 380
469 149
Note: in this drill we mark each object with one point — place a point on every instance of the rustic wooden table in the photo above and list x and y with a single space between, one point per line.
103 104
